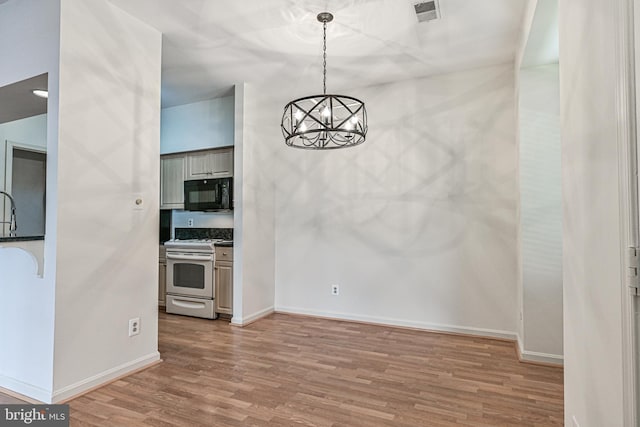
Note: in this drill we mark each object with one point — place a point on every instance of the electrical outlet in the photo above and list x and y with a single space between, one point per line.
335 290
190 222
134 326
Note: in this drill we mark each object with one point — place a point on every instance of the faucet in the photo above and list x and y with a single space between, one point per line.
13 225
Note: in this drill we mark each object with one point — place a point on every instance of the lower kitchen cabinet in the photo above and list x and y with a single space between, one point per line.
224 280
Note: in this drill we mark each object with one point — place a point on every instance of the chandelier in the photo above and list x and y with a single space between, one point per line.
324 122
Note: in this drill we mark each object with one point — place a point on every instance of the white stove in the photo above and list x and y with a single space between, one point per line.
190 277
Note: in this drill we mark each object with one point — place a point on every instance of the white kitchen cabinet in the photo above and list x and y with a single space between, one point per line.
172 175
210 164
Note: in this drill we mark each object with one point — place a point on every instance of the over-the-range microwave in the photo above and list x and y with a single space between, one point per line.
214 194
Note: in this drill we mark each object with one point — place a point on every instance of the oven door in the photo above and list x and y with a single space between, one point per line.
190 274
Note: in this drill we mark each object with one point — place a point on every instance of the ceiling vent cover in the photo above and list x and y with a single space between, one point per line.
427 10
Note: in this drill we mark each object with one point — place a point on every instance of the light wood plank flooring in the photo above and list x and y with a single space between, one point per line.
287 370
5 399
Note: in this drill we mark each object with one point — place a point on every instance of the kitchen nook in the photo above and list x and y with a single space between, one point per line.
195 275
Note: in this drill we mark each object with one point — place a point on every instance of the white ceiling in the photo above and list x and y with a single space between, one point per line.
209 45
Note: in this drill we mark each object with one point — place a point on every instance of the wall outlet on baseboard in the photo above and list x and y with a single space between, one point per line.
335 289
134 326
190 222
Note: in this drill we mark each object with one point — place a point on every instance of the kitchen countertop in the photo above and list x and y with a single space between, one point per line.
4 239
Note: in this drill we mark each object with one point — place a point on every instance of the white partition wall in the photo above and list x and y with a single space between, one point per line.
254 215
594 288
27 302
540 213
108 153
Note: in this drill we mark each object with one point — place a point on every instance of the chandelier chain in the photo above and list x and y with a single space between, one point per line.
324 58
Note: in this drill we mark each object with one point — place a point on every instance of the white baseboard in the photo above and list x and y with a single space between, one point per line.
534 356
87 384
385 321
251 318
27 390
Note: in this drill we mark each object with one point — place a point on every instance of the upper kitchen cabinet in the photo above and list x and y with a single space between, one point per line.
210 164
176 168
172 175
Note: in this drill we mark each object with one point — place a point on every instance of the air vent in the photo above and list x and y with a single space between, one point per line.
427 10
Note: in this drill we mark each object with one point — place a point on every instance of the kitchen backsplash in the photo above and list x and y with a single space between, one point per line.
180 219
204 233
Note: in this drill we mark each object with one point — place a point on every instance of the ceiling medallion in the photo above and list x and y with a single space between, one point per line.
324 122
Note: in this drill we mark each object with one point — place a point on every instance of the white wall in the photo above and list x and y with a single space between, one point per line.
197 126
418 225
256 132
108 152
593 283
540 213
31 131
238 196
27 303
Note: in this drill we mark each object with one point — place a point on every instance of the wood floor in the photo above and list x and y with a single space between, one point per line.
6 399
287 370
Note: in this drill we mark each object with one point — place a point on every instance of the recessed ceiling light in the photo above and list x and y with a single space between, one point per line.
41 93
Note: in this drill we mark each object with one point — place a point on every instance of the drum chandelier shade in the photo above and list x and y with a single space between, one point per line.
324 122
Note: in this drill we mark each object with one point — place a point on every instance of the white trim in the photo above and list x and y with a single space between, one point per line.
238 232
236 321
385 321
82 386
28 390
627 53
535 356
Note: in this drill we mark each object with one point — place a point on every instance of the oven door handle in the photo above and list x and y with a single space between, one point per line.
190 257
